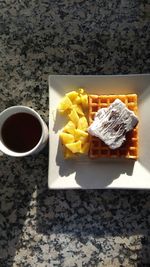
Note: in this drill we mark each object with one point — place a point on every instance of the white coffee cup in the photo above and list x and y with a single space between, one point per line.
4 115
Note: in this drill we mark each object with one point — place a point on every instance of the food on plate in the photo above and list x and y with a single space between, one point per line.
74 135
111 130
65 104
69 127
81 135
74 117
85 148
74 100
66 138
72 95
108 126
74 147
111 124
67 153
82 123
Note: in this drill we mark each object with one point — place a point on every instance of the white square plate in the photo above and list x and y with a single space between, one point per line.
93 174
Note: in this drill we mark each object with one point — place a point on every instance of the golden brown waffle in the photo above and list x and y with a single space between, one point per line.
99 149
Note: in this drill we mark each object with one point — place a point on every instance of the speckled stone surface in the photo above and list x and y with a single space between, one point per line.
39 227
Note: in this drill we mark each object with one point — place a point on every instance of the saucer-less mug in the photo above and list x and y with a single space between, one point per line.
22 131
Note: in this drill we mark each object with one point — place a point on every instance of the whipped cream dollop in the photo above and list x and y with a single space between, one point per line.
111 124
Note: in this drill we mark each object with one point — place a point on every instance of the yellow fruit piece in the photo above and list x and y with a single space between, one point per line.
74 136
81 135
78 109
72 95
78 133
65 104
74 147
68 154
77 100
66 138
85 148
84 101
69 127
82 124
73 116
81 91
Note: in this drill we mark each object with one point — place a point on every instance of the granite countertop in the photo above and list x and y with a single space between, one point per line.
40 227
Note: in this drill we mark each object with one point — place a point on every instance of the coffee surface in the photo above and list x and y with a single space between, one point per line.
21 132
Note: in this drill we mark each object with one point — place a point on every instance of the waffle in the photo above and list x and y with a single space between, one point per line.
98 149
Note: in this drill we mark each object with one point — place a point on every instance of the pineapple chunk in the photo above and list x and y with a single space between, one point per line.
85 148
65 104
81 91
69 127
74 136
77 100
72 95
80 135
68 154
66 138
84 101
78 109
74 147
73 116
82 124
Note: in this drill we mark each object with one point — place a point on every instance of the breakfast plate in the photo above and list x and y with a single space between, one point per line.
85 173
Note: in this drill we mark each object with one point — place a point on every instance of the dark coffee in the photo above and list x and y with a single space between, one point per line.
21 132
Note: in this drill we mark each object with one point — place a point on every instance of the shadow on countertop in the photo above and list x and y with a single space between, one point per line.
85 215
80 214
18 191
